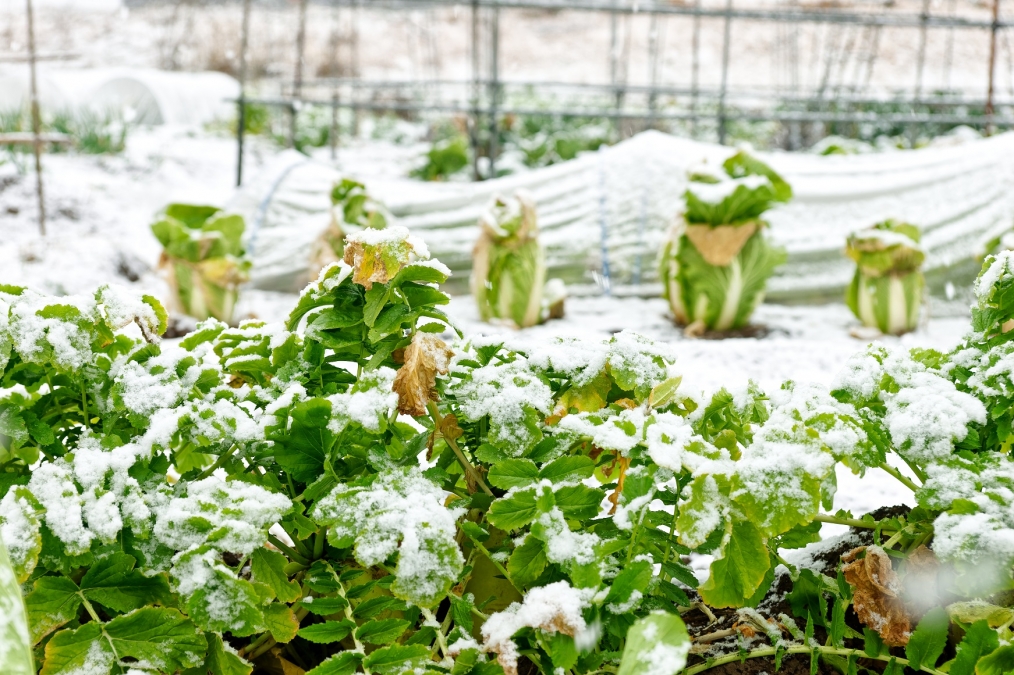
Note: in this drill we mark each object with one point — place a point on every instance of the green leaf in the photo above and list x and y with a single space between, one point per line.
301 451
634 577
696 521
998 662
513 473
15 643
837 627
159 636
70 650
664 393
579 501
368 609
656 644
741 569
461 609
567 468
220 660
281 622
227 604
397 659
562 650
928 639
513 511
324 606
54 602
382 631
114 583
979 641
327 632
268 567
344 663
527 562
872 644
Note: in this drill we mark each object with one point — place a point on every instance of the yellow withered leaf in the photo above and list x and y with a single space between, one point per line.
415 382
877 594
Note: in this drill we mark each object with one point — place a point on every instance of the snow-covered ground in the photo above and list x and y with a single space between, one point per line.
100 208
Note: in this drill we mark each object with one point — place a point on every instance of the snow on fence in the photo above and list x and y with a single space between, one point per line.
603 215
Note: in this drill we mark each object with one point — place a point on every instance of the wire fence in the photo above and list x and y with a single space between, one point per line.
841 95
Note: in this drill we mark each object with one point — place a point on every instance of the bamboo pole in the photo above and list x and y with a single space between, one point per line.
36 121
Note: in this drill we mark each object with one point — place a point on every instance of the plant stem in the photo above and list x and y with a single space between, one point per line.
84 404
318 543
465 464
849 522
293 553
801 649
348 615
501 568
441 639
218 462
903 479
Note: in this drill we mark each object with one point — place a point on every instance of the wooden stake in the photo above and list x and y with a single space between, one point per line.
36 122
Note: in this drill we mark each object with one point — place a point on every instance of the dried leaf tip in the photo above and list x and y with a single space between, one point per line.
377 255
415 382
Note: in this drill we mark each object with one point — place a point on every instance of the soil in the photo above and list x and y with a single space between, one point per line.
774 604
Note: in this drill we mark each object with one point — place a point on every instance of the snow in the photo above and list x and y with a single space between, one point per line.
664 659
620 433
713 193
504 391
564 545
554 608
407 517
368 404
234 515
388 236
1001 267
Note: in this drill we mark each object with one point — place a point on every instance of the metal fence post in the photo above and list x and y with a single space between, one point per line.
992 66
494 88
725 72
473 128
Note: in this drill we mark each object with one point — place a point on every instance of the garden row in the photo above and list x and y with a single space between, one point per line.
349 493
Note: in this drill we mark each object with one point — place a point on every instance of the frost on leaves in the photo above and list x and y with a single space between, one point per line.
554 608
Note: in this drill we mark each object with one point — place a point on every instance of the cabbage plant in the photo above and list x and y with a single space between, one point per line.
509 263
716 259
886 291
203 259
352 210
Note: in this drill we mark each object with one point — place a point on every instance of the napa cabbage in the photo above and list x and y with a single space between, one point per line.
887 288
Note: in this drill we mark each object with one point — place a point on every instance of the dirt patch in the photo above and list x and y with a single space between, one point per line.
824 560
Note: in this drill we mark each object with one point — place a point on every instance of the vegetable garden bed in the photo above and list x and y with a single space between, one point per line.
358 491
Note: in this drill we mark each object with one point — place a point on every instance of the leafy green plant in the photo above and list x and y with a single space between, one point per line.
349 493
202 258
886 291
509 263
447 157
716 260
93 133
544 140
